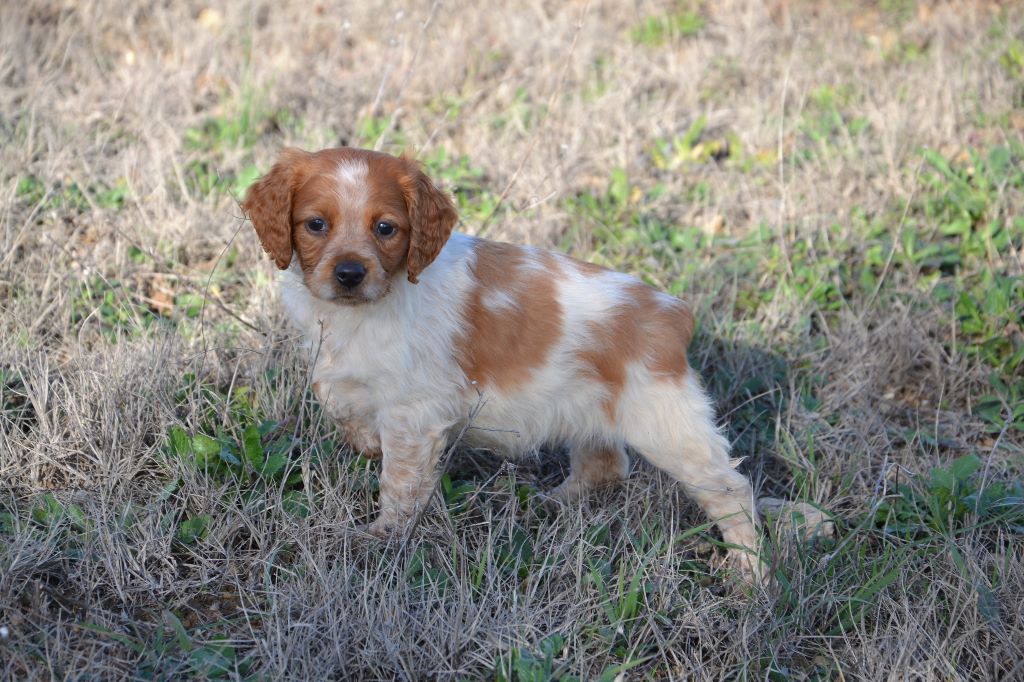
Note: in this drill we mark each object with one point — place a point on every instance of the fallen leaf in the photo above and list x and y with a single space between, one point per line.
161 295
210 19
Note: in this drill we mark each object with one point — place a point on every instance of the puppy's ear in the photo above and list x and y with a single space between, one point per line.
268 203
433 216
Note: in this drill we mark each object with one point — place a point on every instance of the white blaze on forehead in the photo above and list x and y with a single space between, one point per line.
352 185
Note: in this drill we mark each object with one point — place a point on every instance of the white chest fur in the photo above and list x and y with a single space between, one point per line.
394 354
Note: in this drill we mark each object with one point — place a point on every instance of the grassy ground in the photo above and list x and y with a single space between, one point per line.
839 191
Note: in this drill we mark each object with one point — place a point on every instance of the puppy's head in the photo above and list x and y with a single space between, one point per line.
354 219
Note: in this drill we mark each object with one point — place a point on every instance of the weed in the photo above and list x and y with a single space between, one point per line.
514 554
168 651
246 120
1012 60
372 129
526 666
475 201
655 31
111 306
622 598
951 500
900 11
68 197
827 127
422 574
254 457
691 148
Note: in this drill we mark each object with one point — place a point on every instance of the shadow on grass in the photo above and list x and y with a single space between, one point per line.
750 387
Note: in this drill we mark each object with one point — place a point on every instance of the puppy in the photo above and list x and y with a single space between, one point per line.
411 323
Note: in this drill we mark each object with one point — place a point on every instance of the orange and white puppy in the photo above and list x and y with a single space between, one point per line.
410 322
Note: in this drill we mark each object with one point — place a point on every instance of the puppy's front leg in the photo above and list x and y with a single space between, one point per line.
408 475
359 430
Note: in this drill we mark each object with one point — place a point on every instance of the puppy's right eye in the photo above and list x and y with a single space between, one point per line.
316 225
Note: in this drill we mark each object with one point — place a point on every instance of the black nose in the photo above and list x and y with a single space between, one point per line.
349 274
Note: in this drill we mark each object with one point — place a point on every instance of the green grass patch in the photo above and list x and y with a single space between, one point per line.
469 185
111 306
828 128
658 30
694 148
949 252
234 132
952 499
167 650
69 197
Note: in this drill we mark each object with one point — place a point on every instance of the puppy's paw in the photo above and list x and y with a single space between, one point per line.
571 490
382 528
568 493
747 569
371 453
368 453
388 526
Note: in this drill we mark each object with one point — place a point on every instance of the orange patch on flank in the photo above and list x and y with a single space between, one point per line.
505 343
652 328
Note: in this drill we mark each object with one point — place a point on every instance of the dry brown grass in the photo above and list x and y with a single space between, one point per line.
110 241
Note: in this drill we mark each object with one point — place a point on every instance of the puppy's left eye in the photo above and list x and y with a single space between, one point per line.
384 228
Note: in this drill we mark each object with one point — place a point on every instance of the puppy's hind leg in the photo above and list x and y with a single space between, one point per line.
672 425
592 465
